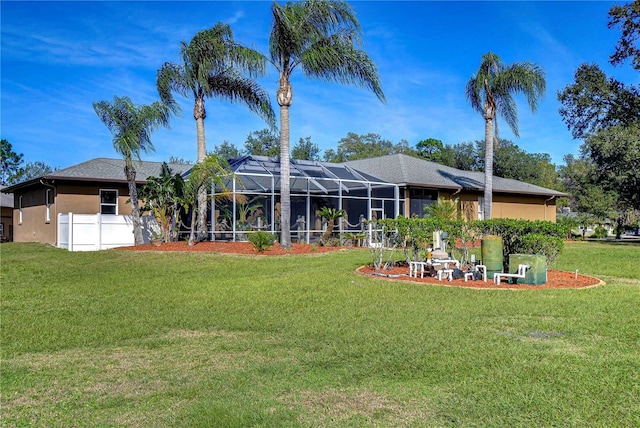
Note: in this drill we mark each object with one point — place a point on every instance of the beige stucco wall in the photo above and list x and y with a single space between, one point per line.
513 206
78 199
524 207
30 222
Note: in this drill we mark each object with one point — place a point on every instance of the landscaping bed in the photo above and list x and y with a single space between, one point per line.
555 279
233 248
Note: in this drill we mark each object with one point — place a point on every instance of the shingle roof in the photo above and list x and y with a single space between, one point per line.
6 199
106 169
410 171
113 169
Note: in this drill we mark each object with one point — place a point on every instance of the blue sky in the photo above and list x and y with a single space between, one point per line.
60 57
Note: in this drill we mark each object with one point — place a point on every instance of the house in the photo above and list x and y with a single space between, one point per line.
6 212
91 187
423 182
386 186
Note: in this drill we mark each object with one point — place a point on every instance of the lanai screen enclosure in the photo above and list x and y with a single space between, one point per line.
251 200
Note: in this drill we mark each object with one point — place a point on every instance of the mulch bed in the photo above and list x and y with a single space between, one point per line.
233 248
555 278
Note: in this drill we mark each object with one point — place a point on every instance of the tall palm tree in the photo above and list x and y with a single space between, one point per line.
491 92
131 126
214 65
321 37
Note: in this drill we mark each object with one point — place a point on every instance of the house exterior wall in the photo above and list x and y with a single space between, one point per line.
7 224
32 225
30 217
525 207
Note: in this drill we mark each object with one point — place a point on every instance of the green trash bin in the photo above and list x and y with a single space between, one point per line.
491 249
535 275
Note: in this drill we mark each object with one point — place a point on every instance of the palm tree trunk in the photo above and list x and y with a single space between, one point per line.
199 114
130 174
285 97
285 190
488 166
192 228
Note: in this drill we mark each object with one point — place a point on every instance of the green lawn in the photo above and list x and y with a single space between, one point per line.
119 338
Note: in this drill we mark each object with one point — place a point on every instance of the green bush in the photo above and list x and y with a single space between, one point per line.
536 243
262 241
414 235
600 232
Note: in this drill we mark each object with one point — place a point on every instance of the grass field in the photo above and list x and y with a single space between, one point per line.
134 339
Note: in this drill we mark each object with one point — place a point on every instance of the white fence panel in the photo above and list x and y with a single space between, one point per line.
92 232
63 231
116 231
85 235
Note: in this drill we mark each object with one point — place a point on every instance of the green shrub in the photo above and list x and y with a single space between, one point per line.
536 243
600 232
262 241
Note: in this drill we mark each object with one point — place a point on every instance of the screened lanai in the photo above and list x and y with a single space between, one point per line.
250 199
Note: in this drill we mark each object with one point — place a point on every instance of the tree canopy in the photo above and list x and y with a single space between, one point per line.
306 149
628 18
11 163
264 142
594 102
355 146
14 170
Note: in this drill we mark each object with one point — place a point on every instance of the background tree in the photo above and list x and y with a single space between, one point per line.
226 150
305 149
490 92
615 152
262 143
355 146
463 156
131 126
11 163
34 170
627 17
214 65
321 37
179 160
430 149
594 102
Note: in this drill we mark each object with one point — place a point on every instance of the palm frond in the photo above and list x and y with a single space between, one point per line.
236 88
169 79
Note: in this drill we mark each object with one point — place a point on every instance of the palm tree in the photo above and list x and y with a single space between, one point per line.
491 92
331 214
131 127
321 37
213 66
203 174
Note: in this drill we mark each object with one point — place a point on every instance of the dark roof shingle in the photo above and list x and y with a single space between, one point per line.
410 171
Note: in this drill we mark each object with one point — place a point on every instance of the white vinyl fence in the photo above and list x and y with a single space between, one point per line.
93 232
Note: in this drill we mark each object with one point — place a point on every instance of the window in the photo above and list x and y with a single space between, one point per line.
108 201
480 207
1 229
47 200
420 199
20 210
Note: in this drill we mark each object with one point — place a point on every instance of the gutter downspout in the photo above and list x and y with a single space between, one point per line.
545 205
54 218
